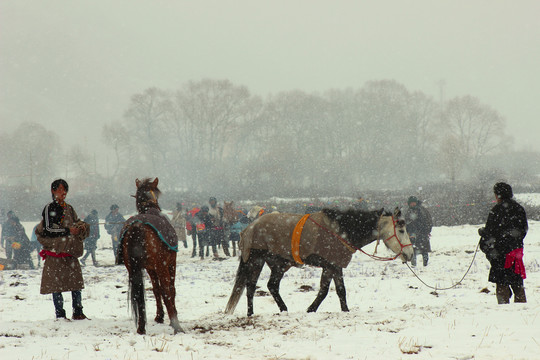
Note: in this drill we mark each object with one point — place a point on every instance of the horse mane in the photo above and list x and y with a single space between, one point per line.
147 195
357 225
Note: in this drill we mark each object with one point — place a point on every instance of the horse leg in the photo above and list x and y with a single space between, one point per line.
255 265
168 274
340 289
156 288
278 269
134 256
326 279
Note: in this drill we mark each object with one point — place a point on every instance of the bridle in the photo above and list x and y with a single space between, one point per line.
149 200
385 241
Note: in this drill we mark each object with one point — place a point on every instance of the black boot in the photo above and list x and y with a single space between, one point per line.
503 293
60 313
519 294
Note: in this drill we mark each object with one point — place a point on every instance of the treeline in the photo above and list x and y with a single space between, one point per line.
213 137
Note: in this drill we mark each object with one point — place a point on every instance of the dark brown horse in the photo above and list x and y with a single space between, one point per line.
143 248
326 239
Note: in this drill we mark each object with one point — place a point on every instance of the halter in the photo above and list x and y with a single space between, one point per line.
388 238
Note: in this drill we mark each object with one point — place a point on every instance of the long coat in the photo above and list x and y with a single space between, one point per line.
419 225
505 230
178 221
63 273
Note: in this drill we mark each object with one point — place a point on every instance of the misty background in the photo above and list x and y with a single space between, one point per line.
253 100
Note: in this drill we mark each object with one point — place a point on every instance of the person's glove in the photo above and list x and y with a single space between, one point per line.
482 231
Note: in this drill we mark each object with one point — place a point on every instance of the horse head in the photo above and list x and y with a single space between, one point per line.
147 195
229 213
392 230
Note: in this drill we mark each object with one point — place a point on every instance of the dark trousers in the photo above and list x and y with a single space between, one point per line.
76 300
504 293
425 256
9 248
90 252
203 242
194 238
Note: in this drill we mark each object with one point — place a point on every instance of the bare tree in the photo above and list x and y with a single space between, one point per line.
117 137
478 128
31 155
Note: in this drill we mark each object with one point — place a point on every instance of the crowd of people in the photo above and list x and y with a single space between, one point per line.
61 238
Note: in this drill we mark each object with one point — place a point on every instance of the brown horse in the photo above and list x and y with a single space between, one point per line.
143 248
326 239
230 215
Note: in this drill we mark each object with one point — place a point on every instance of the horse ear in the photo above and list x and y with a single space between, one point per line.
155 183
397 212
137 183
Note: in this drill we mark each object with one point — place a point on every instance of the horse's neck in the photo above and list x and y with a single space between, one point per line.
146 208
365 241
368 238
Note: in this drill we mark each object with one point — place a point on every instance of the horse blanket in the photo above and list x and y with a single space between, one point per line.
157 221
319 236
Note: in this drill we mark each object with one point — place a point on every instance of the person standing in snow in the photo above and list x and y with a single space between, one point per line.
178 222
114 222
419 224
90 243
502 242
62 234
217 231
191 228
21 245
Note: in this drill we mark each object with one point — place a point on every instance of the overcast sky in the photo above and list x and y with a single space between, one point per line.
72 65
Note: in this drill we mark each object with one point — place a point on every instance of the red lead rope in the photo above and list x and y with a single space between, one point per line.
375 257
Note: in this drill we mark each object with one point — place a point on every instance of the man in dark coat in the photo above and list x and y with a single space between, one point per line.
90 243
203 224
502 242
419 224
114 222
21 245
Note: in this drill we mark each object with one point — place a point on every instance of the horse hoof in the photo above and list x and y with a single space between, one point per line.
159 320
179 330
141 332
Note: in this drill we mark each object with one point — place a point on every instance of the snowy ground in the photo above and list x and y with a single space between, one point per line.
393 315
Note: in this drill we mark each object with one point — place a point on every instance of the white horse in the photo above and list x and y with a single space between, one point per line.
257 211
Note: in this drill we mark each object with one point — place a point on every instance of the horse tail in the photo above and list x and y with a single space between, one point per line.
246 240
238 288
136 252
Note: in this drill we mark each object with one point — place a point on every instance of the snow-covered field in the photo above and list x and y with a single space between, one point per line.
392 314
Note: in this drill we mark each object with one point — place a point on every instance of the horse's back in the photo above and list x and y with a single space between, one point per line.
273 232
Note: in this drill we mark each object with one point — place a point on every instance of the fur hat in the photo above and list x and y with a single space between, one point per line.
503 190
412 199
